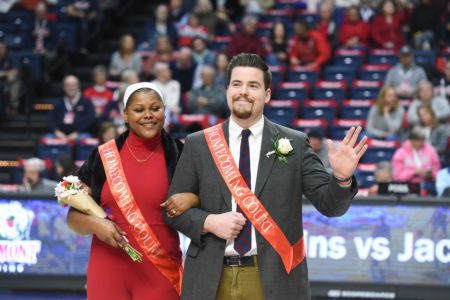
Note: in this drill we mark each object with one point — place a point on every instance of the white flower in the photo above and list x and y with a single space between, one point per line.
71 179
284 146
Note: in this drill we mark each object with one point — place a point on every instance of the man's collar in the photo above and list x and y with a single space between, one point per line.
257 129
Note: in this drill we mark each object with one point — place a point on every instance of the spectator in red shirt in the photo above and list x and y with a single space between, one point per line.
247 41
99 94
387 26
308 47
354 31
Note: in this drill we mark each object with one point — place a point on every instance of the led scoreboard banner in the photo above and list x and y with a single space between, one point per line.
381 248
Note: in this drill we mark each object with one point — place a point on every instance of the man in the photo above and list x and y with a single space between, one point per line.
72 114
209 98
33 180
308 48
169 87
247 41
214 268
406 75
383 174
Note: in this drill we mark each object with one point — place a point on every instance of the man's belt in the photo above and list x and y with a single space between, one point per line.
239 261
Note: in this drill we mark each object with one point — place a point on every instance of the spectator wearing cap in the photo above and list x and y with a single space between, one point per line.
383 174
308 48
387 26
200 52
169 87
386 116
33 177
416 160
247 40
425 96
405 75
319 146
209 98
73 114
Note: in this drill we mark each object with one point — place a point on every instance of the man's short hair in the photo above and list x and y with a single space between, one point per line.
249 60
36 163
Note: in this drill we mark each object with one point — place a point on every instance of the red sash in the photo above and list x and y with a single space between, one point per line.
249 203
141 231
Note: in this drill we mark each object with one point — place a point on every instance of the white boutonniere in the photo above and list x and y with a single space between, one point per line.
282 149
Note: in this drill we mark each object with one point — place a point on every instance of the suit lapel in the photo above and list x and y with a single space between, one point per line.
226 194
265 164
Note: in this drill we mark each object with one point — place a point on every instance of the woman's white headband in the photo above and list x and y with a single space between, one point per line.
137 86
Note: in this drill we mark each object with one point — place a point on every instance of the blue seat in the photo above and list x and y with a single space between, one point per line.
376 154
307 125
16 42
425 56
53 152
341 72
339 127
352 112
296 74
274 15
383 57
365 178
292 90
277 74
282 112
352 58
322 109
374 72
84 147
330 90
361 89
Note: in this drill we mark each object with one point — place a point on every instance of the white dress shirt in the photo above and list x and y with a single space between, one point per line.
254 142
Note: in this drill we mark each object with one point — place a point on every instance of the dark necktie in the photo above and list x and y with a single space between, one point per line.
243 242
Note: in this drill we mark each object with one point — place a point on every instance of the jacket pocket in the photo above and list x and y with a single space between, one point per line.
192 251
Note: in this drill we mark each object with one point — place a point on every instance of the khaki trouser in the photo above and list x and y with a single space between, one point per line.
240 283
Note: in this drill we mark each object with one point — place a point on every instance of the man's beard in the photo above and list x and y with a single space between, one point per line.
242 112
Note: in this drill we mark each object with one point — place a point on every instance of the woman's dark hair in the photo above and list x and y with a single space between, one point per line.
144 90
67 164
249 60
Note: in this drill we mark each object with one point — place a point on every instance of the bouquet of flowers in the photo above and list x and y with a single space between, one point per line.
70 191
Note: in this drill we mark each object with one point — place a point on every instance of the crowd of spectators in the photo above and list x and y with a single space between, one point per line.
184 48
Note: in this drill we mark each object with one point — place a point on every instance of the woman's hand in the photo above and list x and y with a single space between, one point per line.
177 204
110 233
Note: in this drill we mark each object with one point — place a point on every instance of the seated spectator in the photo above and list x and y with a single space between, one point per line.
387 26
443 183
43 30
442 86
385 118
326 25
383 173
65 166
201 54
163 53
354 31
177 11
416 160
127 77
85 14
158 25
308 48
10 83
185 70
33 178
320 147
72 114
169 87
247 40
405 75
424 25
125 58
221 69
217 22
187 32
425 96
436 134
114 110
108 131
278 54
99 94
209 98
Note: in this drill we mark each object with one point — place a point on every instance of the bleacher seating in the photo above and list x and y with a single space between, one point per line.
365 89
339 127
379 150
320 109
374 72
383 57
352 58
364 174
306 125
293 90
339 73
298 73
333 90
84 147
356 109
53 148
282 112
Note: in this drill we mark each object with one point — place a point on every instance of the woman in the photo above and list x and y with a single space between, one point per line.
125 57
354 31
278 44
436 133
426 96
148 156
416 161
221 69
386 116
387 27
